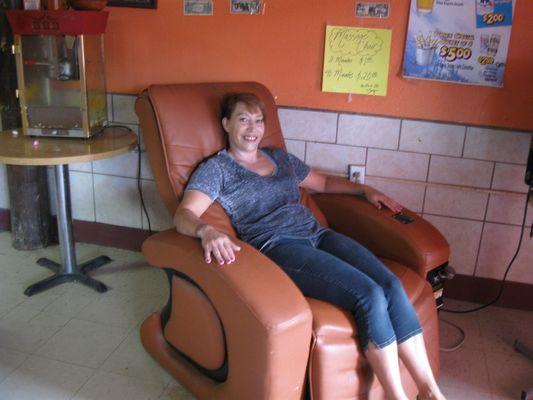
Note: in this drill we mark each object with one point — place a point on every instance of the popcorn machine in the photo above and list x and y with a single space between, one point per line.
60 71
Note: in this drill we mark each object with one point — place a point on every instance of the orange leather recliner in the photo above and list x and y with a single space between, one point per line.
244 331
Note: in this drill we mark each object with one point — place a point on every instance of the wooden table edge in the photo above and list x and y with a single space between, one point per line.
69 159
32 161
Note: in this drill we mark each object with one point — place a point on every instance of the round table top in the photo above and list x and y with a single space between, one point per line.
18 149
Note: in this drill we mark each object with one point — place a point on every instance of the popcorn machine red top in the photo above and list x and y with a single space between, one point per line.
60 71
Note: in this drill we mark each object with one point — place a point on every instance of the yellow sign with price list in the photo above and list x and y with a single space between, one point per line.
356 60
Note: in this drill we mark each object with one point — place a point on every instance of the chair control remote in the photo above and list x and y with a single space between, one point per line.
404 219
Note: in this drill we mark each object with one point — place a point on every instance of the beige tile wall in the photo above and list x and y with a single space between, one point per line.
362 130
432 138
451 170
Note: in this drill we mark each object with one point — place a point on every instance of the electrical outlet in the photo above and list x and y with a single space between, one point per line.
356 173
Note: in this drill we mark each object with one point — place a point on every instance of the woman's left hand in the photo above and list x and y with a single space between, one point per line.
378 199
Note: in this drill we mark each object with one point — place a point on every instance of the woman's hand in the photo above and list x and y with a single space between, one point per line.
378 199
318 182
188 222
218 244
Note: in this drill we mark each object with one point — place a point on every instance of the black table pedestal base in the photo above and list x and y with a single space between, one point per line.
60 277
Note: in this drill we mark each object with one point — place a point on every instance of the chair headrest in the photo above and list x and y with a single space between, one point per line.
188 117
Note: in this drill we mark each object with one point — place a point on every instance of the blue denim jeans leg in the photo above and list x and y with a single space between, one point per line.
337 269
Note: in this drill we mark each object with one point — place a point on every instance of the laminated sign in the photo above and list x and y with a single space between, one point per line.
463 41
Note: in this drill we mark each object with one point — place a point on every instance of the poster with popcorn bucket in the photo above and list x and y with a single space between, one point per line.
446 41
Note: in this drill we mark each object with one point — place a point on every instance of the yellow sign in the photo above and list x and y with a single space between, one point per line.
356 60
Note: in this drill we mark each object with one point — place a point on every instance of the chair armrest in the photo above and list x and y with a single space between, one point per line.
267 321
418 245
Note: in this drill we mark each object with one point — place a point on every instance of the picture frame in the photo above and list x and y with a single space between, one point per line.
250 7
367 9
197 7
133 3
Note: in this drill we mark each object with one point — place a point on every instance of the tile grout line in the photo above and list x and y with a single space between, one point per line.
94 193
95 371
429 121
140 204
125 177
31 353
486 364
73 363
116 348
472 220
167 386
410 152
18 367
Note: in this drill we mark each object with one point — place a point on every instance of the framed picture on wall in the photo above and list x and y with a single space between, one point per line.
133 3
197 7
372 10
245 7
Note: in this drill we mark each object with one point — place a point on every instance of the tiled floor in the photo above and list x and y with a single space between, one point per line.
73 343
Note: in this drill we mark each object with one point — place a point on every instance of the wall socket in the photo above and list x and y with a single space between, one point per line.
356 173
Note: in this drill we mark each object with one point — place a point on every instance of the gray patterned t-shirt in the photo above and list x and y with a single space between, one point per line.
261 208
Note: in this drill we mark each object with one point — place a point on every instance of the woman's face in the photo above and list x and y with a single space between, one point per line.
245 128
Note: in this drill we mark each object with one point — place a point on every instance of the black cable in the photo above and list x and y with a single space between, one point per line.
139 186
460 342
502 283
104 127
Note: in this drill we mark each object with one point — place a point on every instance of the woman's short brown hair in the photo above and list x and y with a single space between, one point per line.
251 100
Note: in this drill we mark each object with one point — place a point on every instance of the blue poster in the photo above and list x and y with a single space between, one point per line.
490 13
462 41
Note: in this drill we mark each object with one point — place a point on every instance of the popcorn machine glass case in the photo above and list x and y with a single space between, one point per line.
60 71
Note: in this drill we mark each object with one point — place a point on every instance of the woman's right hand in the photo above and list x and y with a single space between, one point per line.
218 244
188 222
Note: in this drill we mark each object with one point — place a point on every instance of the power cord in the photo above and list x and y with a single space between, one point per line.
461 340
502 283
139 185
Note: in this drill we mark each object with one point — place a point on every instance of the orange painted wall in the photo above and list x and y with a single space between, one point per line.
284 50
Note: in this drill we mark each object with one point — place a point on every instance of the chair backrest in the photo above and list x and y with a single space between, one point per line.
181 125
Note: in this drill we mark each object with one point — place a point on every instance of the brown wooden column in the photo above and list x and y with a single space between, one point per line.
28 187
30 208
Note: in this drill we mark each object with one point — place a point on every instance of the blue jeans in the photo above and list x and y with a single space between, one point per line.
336 269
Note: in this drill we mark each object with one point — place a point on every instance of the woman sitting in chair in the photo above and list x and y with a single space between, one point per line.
259 190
